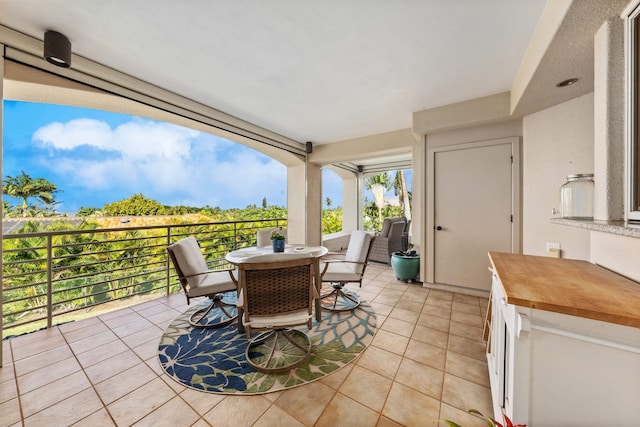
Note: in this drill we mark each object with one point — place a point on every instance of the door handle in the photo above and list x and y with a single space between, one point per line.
438 228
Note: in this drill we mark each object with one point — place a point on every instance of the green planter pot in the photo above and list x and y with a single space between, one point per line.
406 268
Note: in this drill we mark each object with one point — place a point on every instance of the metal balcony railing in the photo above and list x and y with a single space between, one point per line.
49 275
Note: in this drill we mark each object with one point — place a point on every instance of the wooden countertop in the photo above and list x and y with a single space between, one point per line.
576 288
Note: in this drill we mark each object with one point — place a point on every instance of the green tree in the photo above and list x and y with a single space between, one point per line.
136 205
400 190
378 184
23 187
264 202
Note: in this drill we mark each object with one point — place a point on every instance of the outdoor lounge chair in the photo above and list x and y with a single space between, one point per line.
198 281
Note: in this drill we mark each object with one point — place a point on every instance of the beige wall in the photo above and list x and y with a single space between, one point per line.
557 142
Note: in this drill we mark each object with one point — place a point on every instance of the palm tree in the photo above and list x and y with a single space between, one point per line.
378 184
23 187
400 189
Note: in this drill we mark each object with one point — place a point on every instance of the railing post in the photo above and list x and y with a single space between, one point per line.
166 254
49 280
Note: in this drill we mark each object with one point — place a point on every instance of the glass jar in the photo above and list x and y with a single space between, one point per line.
576 197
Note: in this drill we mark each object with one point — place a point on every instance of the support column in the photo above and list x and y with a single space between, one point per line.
609 144
304 204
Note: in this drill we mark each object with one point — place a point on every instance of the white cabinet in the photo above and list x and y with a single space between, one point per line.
554 369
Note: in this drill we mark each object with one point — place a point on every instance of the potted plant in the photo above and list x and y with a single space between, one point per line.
277 240
406 265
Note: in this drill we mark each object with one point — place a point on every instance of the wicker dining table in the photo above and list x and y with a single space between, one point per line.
317 252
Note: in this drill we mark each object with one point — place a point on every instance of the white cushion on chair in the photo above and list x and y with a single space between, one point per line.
358 248
190 259
214 282
295 318
342 272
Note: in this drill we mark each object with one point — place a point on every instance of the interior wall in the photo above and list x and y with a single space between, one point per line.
558 141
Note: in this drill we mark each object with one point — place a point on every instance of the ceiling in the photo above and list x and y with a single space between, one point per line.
321 71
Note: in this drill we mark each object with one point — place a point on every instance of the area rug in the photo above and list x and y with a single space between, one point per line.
213 360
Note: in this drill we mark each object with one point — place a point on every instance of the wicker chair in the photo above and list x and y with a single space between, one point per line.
276 294
339 272
197 281
388 240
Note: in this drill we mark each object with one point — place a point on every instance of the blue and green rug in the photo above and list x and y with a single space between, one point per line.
213 360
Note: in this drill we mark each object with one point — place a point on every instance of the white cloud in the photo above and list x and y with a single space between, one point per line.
169 163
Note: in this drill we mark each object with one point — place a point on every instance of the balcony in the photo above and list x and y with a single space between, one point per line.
427 361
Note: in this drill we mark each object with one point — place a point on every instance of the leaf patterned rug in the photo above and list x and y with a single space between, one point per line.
213 360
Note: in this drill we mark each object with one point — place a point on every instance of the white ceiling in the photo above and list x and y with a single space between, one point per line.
320 71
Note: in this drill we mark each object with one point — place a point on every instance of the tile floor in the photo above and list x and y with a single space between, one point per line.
426 361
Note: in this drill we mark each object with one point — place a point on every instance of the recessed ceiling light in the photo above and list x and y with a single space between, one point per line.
567 82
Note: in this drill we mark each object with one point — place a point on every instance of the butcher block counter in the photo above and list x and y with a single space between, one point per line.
573 287
563 343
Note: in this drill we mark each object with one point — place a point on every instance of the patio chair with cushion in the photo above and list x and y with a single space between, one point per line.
388 240
263 237
351 269
276 294
198 281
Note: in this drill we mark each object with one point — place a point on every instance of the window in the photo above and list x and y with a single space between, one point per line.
633 112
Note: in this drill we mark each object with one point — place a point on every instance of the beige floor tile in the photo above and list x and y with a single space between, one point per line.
471 348
421 377
49 339
10 411
140 402
430 336
343 411
380 361
306 403
103 352
112 366
151 333
440 294
237 411
398 326
381 309
403 314
466 331
335 379
273 396
40 360
99 418
92 342
386 299
468 368
125 382
367 387
124 319
442 304
467 299
147 310
163 317
200 401
436 311
390 342
8 390
52 393
113 314
409 407
386 422
277 417
407 304
465 395
147 350
173 413
46 375
132 327
78 324
426 354
68 411
88 331
466 308
7 372
434 322
468 319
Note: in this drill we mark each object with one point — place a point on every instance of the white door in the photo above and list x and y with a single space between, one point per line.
472 212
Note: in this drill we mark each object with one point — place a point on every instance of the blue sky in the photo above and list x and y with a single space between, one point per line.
98 157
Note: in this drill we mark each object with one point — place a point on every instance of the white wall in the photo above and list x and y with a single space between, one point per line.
557 142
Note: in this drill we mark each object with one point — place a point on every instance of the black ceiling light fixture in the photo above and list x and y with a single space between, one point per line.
567 82
57 49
